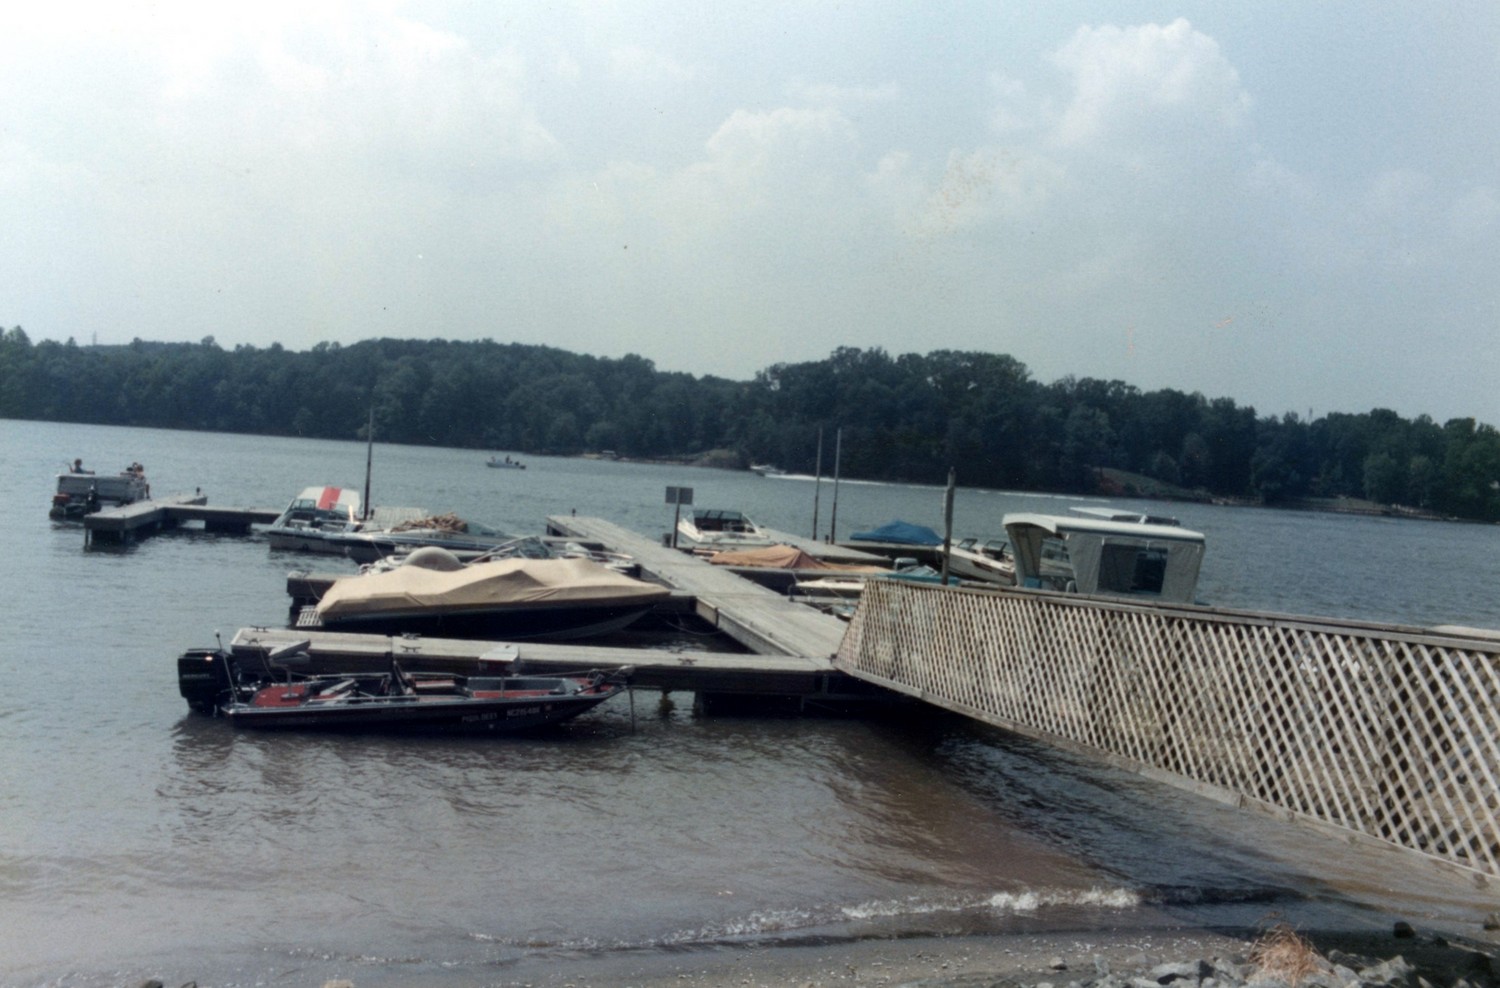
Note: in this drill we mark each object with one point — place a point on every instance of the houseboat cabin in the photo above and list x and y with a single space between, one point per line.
1090 555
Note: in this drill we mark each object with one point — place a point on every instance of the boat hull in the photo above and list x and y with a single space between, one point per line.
513 624
304 540
269 696
421 714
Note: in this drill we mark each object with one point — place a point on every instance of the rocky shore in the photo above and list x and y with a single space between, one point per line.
1279 958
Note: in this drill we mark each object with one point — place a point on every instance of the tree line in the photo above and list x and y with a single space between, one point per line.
901 418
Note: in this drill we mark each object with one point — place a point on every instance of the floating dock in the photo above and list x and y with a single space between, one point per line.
790 646
141 518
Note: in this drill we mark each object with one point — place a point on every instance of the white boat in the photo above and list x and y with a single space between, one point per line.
314 518
81 492
1091 555
460 537
973 559
433 593
716 529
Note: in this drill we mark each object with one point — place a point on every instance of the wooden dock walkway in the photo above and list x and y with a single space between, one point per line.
762 620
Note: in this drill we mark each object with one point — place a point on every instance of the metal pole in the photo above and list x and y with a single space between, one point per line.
948 521
369 458
838 452
817 483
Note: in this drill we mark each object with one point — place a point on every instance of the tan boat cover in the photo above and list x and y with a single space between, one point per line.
781 557
523 583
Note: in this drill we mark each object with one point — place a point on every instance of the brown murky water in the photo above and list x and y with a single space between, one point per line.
137 841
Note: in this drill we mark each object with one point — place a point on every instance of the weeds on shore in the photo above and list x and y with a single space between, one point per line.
1283 953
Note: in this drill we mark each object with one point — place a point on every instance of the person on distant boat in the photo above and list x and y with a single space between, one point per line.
77 466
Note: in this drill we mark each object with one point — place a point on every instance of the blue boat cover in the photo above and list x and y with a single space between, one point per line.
900 531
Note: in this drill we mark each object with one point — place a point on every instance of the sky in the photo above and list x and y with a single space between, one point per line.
1294 205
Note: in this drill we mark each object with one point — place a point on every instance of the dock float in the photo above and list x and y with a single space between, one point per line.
140 518
125 521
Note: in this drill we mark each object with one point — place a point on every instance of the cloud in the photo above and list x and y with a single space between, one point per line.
1151 88
618 178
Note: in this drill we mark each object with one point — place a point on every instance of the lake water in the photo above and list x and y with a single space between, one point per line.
139 841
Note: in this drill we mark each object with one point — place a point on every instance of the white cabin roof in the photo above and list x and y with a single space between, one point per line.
1061 524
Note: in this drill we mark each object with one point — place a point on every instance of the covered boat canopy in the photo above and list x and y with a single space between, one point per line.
1110 558
901 532
520 584
780 557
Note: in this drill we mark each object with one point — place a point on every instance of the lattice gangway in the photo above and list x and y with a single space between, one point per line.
1388 734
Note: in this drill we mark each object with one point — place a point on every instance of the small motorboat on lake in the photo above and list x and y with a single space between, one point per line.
434 593
271 696
504 464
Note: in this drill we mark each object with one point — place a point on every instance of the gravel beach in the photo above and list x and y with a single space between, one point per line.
1101 959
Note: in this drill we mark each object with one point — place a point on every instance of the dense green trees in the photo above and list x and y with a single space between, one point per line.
908 417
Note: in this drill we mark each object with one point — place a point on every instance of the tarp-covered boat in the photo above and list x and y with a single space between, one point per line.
506 599
782 557
900 533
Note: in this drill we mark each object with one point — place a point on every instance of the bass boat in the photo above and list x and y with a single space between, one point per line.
214 682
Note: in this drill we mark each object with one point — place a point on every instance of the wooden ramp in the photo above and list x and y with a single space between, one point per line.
762 620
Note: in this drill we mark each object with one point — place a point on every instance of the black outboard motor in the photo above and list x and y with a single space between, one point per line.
204 678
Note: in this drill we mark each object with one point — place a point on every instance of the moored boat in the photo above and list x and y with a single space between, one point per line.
717 529
1101 556
314 518
987 559
367 544
434 593
214 682
81 492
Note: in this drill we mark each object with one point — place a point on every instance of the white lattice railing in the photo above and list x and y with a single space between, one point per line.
1392 733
